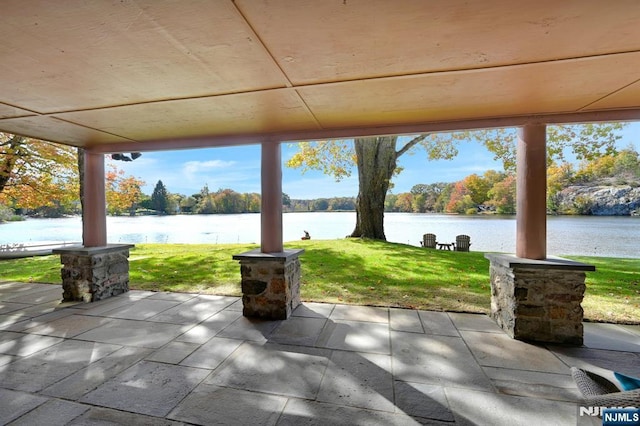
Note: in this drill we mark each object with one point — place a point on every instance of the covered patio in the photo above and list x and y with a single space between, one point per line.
170 358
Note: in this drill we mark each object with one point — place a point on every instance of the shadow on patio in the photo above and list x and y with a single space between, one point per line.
169 358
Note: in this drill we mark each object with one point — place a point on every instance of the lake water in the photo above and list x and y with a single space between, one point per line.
577 235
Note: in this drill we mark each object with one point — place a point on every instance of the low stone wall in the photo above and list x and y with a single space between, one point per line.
270 283
538 300
94 273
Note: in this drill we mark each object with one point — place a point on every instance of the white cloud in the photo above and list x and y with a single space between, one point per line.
194 167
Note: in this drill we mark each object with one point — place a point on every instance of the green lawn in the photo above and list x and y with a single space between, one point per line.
354 271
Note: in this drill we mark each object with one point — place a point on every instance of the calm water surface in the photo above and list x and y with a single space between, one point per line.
578 235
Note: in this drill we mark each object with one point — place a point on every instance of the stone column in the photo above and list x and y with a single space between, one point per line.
270 283
531 191
94 273
538 300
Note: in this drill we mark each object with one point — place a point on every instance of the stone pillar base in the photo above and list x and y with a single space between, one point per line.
538 300
270 283
90 274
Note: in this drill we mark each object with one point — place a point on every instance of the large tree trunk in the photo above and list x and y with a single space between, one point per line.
8 161
376 160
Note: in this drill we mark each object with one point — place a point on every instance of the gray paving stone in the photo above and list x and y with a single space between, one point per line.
27 344
635 329
176 297
611 337
50 365
142 334
6 359
599 361
355 336
360 313
474 322
14 404
249 329
437 323
12 320
500 350
204 331
7 336
420 400
405 320
212 354
68 326
214 405
147 388
52 413
298 331
8 307
484 408
100 307
312 413
141 310
436 360
87 379
53 314
276 369
358 380
45 295
313 310
10 289
535 384
173 352
194 310
98 416
236 306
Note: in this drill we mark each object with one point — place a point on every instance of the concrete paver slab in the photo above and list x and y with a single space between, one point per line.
436 360
173 352
27 344
52 413
204 331
210 404
438 323
484 408
142 309
276 369
611 337
312 413
99 416
560 387
50 365
313 310
598 360
405 320
133 333
355 336
420 400
147 388
194 310
499 350
212 354
298 331
14 404
45 295
474 322
69 326
358 380
252 329
176 297
360 313
51 312
8 307
87 379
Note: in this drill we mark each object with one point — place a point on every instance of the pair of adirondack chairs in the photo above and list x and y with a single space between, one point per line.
463 242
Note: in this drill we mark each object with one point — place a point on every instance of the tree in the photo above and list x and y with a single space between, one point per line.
160 198
375 159
122 193
503 195
36 173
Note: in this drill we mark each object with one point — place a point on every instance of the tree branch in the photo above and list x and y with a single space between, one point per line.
413 142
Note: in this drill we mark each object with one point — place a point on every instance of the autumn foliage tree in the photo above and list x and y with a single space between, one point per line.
123 193
36 173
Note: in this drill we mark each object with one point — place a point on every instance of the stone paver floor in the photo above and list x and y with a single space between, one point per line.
164 358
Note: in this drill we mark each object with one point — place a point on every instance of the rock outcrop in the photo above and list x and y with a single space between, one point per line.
599 200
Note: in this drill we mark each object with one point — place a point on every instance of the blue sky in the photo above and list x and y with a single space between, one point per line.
238 168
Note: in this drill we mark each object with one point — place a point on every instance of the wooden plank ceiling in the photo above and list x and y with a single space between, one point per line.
149 74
